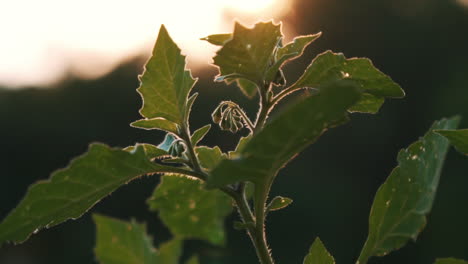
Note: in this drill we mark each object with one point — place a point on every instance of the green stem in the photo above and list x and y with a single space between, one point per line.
185 135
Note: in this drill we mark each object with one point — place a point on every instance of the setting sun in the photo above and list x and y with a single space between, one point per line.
50 39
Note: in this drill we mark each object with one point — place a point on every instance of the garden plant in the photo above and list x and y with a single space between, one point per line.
200 185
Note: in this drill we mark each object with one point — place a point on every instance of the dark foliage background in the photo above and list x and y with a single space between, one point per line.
421 44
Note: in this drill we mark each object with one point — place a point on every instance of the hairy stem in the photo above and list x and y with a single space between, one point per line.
185 135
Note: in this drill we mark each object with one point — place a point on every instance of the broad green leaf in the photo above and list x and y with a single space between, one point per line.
458 138
318 254
249 52
403 201
247 87
218 39
450 261
120 242
71 191
165 84
278 203
189 210
209 157
156 123
199 134
330 66
284 137
297 46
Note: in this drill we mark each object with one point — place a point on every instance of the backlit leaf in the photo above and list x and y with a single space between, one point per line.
287 135
297 46
209 157
120 242
199 134
247 87
156 123
458 138
71 191
249 52
330 66
403 201
218 39
189 210
278 203
450 261
318 254
165 84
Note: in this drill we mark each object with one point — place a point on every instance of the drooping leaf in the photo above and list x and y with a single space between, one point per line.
209 157
330 66
249 52
156 123
284 137
70 192
165 84
450 261
120 242
318 254
218 39
279 202
189 210
199 134
403 201
458 138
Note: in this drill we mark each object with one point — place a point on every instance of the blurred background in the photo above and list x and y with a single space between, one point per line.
68 74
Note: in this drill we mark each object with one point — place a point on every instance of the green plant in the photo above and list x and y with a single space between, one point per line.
200 184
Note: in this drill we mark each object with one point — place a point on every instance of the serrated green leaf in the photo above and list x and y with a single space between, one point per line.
458 138
165 84
218 39
189 210
199 134
318 254
120 242
297 46
403 201
70 192
330 66
450 261
209 157
247 87
240 146
279 202
284 137
249 52
156 123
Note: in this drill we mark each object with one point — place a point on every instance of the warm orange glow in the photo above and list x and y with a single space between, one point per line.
44 40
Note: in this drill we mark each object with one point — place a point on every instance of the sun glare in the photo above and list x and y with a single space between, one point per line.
44 41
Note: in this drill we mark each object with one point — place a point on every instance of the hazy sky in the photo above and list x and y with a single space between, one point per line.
42 41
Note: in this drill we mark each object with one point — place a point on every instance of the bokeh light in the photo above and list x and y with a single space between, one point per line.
46 41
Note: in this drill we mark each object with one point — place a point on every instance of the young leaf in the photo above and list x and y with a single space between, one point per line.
296 46
189 210
318 254
450 261
249 52
278 203
218 39
151 151
209 157
458 138
167 142
199 134
70 192
403 201
330 66
156 123
165 84
287 135
247 87
120 242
